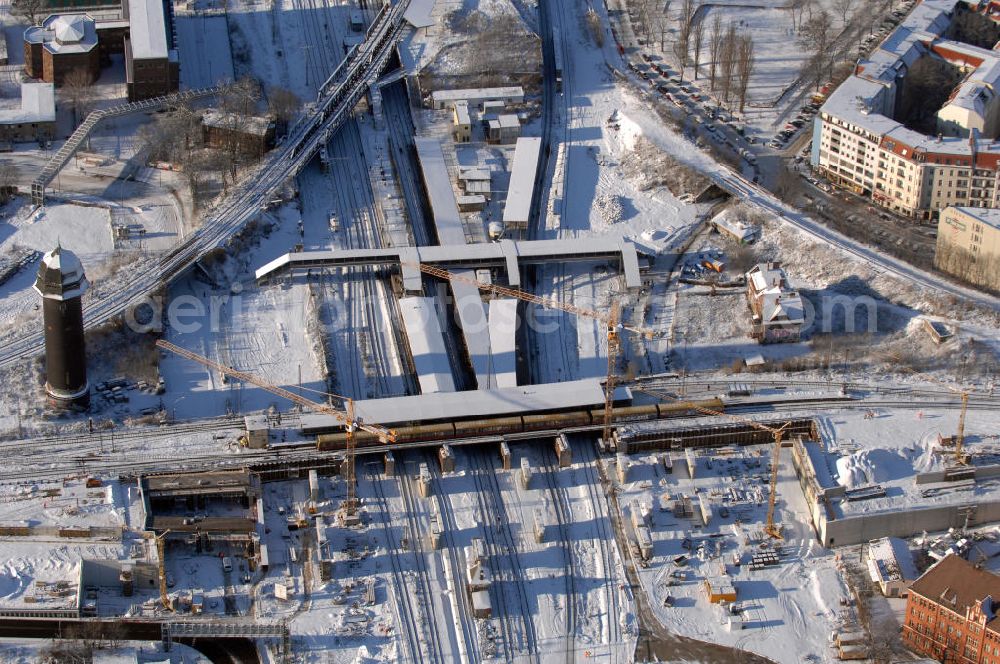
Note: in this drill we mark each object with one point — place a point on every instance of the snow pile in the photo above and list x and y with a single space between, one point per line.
611 207
871 466
629 132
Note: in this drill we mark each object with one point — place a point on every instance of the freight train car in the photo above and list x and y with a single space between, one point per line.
499 426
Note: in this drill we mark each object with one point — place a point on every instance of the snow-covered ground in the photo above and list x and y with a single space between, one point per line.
788 609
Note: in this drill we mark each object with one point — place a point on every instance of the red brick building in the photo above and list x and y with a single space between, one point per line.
951 614
60 45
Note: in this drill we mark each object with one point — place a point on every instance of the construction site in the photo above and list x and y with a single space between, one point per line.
475 353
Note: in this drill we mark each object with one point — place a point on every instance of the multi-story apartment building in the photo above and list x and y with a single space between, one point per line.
968 245
951 614
859 146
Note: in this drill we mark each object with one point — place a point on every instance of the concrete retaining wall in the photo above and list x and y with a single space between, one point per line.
861 528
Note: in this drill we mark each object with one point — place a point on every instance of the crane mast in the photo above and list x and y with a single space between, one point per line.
347 418
770 527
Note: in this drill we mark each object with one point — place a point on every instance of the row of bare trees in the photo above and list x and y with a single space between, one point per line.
732 60
731 54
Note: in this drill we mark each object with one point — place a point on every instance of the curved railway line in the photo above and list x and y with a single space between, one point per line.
335 101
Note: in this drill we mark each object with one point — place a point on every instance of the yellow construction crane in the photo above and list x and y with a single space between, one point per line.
612 320
961 458
346 418
770 527
161 569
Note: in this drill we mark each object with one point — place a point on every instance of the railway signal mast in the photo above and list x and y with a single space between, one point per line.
770 527
347 418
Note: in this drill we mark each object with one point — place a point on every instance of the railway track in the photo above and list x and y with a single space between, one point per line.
606 541
501 575
245 201
454 557
405 612
134 449
497 531
420 558
564 518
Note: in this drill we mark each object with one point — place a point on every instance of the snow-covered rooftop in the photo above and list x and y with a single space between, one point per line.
503 328
147 29
247 124
426 340
64 33
38 104
866 99
444 208
444 97
418 14
891 560
521 191
585 393
988 216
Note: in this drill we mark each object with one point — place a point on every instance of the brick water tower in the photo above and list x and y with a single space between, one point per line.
61 283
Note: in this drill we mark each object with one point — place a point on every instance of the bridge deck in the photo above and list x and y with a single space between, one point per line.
506 254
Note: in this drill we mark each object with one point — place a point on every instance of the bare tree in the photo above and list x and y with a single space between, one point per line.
241 96
8 178
647 15
30 9
815 36
745 61
284 105
661 23
714 48
684 25
796 7
697 37
595 27
79 91
727 64
843 7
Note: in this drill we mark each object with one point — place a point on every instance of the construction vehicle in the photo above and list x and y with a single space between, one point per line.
612 320
345 417
770 527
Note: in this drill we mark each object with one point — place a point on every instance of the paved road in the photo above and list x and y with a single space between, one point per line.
336 99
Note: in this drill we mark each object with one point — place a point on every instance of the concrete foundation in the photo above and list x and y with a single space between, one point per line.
505 456
563 452
424 481
447 459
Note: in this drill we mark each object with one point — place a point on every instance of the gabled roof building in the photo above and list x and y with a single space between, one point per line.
951 614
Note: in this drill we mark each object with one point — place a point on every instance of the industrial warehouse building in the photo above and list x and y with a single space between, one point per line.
859 145
951 614
968 245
